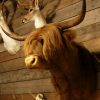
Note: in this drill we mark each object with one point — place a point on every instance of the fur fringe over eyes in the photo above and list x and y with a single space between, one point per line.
51 41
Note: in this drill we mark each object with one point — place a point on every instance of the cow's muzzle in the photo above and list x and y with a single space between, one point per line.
31 61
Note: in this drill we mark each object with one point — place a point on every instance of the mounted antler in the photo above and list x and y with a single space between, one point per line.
10 11
10 44
63 25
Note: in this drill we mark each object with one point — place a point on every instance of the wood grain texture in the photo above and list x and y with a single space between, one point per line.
49 96
33 86
88 32
28 75
28 81
2 49
92 45
75 9
23 75
12 64
5 56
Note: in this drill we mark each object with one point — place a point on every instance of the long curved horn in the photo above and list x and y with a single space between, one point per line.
15 35
75 21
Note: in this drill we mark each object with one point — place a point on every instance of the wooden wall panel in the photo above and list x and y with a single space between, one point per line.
49 96
23 75
11 65
65 3
5 56
2 49
90 3
32 86
88 32
74 10
92 45
91 18
17 82
16 79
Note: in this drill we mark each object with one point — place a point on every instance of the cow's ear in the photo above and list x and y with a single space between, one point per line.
70 34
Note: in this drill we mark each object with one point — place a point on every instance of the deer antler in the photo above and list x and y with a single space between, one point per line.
9 12
49 9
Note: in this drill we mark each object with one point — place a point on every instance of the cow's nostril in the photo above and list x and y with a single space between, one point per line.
33 61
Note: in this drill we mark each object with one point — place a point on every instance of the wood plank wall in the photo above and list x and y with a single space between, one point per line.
16 81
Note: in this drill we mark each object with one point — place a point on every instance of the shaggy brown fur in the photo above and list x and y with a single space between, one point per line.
71 65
